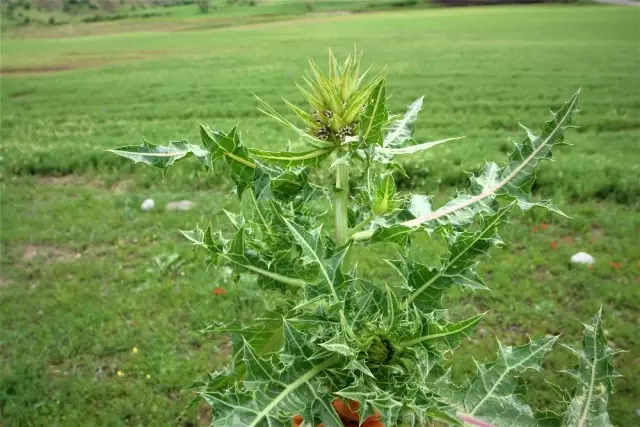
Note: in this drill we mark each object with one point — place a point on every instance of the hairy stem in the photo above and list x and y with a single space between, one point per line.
341 204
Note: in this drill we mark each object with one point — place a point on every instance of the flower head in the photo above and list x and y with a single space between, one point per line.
336 101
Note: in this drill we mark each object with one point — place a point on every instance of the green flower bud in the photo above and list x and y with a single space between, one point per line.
380 351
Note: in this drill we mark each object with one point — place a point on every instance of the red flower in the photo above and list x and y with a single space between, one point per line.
544 226
554 245
615 265
219 291
348 415
535 229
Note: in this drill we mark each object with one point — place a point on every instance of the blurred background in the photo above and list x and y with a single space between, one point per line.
101 299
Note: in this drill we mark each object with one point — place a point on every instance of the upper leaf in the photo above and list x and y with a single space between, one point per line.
229 147
514 180
403 128
162 156
291 158
375 116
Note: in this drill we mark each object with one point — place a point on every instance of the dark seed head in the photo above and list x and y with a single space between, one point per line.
322 133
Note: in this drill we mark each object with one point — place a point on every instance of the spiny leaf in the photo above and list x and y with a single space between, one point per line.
314 251
375 116
229 147
397 233
419 205
412 149
514 180
449 334
383 195
162 156
291 159
270 395
237 254
492 395
402 129
428 284
594 377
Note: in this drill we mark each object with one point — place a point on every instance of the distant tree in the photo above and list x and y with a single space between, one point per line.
310 5
108 5
48 5
203 5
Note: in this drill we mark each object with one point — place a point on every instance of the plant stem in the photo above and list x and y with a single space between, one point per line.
361 225
341 204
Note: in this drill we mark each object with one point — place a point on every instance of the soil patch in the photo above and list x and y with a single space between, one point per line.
49 254
35 70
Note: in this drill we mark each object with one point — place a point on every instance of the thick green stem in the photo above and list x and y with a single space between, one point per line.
341 204
361 225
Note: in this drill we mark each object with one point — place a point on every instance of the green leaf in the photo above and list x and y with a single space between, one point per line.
291 159
412 149
420 205
161 156
464 248
403 128
383 195
517 178
449 334
397 233
229 147
274 181
374 116
238 255
594 379
314 252
492 396
271 395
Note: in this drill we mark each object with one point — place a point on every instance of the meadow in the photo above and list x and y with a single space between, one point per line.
102 304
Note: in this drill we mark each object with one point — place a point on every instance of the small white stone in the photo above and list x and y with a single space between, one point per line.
582 258
182 205
147 205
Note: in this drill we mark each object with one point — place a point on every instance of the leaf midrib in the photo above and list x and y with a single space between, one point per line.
441 272
504 374
585 411
290 388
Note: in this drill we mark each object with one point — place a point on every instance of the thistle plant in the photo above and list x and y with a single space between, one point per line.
341 339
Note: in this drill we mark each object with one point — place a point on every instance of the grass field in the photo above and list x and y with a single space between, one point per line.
100 327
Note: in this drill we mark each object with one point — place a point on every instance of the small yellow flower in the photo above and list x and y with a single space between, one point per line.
134 350
148 376
120 373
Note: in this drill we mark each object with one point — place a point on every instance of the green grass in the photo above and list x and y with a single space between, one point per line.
79 285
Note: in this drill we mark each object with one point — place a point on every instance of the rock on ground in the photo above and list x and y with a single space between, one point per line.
582 258
147 205
182 205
